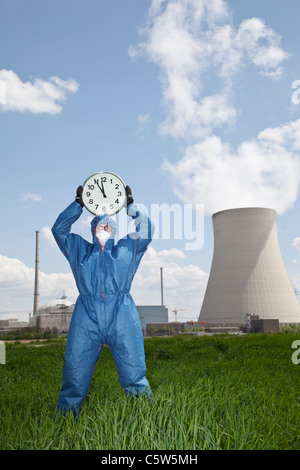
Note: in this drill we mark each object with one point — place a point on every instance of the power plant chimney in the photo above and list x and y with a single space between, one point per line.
161 286
36 280
247 275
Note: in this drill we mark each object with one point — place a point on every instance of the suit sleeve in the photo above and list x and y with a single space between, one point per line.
144 232
62 227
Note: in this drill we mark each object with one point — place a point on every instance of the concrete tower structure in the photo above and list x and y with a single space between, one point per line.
36 276
247 275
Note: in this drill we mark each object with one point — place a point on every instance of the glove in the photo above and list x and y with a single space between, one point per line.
78 197
129 199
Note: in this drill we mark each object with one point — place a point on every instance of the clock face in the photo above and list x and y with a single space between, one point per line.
104 193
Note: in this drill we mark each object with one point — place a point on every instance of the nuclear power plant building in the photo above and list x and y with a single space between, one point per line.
53 315
247 275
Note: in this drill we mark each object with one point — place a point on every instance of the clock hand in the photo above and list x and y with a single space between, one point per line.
101 189
103 192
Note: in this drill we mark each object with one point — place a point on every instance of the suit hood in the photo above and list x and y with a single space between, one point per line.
103 219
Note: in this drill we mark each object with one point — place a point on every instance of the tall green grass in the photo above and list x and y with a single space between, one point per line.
211 392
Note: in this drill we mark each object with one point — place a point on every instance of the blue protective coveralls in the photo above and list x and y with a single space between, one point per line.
105 312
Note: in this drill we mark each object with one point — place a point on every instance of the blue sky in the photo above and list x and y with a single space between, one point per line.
188 101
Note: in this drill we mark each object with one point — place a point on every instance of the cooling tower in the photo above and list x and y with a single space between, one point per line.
247 275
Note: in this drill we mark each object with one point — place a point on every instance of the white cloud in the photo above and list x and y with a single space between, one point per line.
262 45
47 235
17 286
188 39
87 221
262 172
184 286
296 243
39 96
33 197
295 280
194 42
143 120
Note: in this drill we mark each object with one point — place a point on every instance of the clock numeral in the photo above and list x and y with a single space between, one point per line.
88 194
103 178
117 201
119 193
103 209
91 201
117 186
111 206
91 187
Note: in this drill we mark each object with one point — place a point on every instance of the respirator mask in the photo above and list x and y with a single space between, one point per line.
103 233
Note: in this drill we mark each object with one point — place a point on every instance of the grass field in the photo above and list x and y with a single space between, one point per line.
211 392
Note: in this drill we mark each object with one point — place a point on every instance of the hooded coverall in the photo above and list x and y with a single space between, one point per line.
105 312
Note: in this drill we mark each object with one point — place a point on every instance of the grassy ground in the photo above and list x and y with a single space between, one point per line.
211 392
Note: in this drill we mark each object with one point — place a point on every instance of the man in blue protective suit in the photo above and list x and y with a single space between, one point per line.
105 312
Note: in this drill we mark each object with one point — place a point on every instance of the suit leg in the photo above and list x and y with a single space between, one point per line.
127 347
83 350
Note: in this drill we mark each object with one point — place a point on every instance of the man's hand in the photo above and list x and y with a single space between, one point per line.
129 199
78 197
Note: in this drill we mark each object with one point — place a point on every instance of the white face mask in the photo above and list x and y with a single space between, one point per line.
103 236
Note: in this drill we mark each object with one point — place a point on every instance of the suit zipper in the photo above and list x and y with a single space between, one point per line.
102 248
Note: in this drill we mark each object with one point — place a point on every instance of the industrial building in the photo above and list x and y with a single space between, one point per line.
55 315
247 276
152 314
11 324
